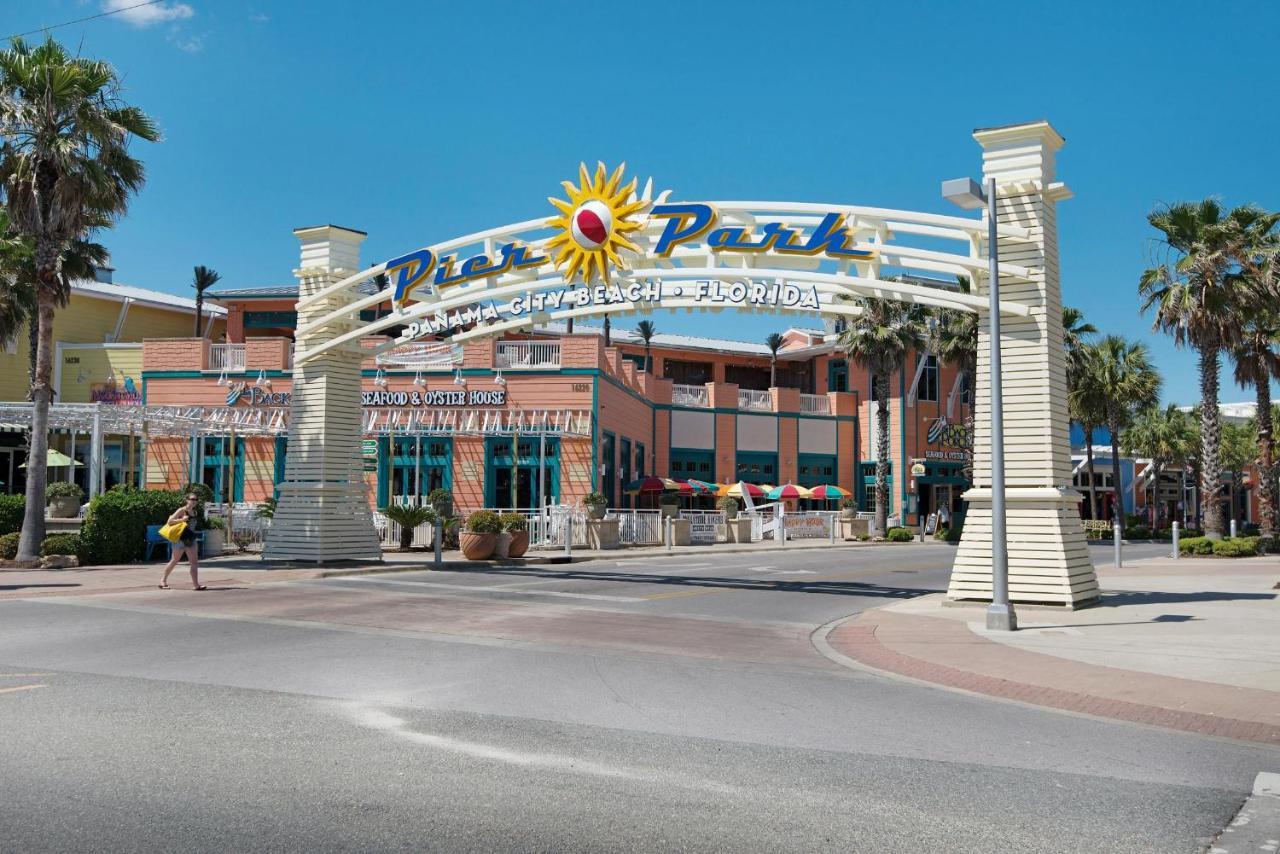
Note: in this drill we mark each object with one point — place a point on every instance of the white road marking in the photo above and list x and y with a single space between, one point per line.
21 688
458 588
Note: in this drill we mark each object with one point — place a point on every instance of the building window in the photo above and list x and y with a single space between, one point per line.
927 386
686 463
757 467
639 460
838 375
221 469
519 482
687 373
626 471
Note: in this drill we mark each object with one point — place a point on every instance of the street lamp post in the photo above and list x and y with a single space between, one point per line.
968 194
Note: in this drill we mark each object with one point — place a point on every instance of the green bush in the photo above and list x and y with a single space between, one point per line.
62 489
848 503
484 522
512 522
900 535
1195 546
1138 532
441 501
115 528
728 505
9 545
862 538
60 544
199 490
11 509
1239 547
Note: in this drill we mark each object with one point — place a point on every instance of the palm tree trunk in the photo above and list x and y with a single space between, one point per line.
1088 455
648 359
1266 466
33 348
199 312
41 395
606 331
569 328
1210 442
1115 475
773 371
1155 493
882 454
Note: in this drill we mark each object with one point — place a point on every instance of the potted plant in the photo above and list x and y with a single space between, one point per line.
729 505
669 503
516 528
596 505
441 501
215 536
848 508
64 499
481 535
408 517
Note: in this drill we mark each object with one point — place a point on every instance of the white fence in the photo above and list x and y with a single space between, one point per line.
547 528
431 354
815 404
638 527
226 357
757 401
528 355
689 395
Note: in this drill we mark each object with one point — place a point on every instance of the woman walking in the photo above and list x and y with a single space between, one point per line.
186 543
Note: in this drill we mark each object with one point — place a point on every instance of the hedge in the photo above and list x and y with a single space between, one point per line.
11 509
9 545
900 535
1195 546
60 544
115 527
1226 547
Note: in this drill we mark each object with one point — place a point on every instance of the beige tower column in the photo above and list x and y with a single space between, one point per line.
1048 557
324 511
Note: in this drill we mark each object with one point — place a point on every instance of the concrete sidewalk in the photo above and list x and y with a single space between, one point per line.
249 569
1191 644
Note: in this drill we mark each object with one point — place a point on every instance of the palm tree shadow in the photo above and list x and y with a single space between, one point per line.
1157 597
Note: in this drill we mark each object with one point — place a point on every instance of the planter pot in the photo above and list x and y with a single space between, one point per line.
730 515
848 513
597 511
64 508
502 545
669 510
519 544
214 541
477 546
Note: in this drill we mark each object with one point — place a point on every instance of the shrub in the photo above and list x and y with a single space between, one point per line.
900 535
1134 520
728 504
1250 530
199 490
664 498
849 503
60 544
484 522
9 545
408 517
1195 546
115 528
63 489
1239 547
598 498
862 538
512 522
267 509
441 501
11 509
1138 532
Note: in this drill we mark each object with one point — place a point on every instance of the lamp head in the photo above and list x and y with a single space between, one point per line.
965 193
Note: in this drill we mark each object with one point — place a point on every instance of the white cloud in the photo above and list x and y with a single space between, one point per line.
146 16
191 44
259 17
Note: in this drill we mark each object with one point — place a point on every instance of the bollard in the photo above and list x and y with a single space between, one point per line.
438 536
831 522
568 537
1116 534
670 533
1175 540
1233 529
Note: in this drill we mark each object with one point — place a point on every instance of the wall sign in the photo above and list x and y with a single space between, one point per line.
255 396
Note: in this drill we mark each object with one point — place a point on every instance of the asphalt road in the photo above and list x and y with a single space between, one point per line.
675 703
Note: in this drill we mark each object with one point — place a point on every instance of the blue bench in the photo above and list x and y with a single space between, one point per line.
154 539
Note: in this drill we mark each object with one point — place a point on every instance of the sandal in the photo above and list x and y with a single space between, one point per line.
201 587
163 586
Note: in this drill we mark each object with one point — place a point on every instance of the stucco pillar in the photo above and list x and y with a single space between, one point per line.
324 511
1048 557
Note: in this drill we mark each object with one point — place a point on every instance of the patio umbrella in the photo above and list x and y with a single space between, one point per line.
679 487
736 490
56 458
704 488
788 491
648 484
829 492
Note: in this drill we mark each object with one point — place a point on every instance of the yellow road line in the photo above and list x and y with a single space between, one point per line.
21 688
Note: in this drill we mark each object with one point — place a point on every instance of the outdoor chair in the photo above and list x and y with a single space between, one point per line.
154 539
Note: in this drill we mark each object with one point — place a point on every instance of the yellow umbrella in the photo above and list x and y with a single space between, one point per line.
735 490
56 458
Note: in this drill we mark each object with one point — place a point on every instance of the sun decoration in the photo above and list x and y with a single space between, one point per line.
593 225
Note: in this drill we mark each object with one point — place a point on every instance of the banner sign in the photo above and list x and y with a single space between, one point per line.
805 527
255 396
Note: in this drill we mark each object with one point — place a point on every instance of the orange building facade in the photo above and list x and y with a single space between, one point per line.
549 417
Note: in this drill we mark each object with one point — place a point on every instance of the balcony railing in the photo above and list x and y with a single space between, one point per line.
815 404
689 395
226 357
431 354
756 401
528 355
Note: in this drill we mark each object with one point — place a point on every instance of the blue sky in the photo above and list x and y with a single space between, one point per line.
418 122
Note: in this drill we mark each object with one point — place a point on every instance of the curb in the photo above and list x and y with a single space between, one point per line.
1256 826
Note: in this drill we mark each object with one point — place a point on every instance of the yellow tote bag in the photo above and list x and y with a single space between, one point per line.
173 531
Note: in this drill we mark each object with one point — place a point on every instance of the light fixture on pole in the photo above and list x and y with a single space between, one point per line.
380 378
499 378
966 193
458 378
262 381
418 379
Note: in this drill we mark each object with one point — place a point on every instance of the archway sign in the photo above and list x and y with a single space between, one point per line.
606 246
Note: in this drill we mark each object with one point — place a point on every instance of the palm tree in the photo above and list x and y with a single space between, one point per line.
1074 332
607 329
202 279
1087 406
408 517
1167 437
646 330
881 338
954 338
1124 371
64 165
774 342
1239 447
1198 301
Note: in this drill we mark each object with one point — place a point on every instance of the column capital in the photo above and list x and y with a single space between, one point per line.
332 248
1021 153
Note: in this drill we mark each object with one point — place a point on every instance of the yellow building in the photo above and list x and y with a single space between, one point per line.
97 358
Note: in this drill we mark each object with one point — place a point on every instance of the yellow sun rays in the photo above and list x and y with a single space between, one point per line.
592 264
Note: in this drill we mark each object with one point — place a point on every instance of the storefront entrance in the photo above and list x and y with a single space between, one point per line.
520 482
